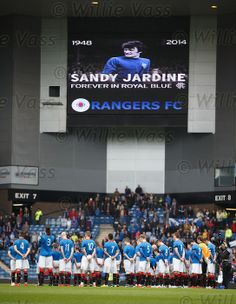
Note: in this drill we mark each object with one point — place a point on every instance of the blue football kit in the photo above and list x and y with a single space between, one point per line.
67 246
123 66
45 244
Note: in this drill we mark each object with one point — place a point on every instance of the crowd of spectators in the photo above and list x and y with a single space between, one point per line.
159 216
10 225
71 219
134 212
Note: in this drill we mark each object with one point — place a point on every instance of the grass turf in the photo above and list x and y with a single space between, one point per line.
88 295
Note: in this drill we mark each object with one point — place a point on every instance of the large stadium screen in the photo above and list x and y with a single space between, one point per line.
128 71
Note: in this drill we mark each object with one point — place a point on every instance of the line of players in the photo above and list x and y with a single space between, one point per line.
145 265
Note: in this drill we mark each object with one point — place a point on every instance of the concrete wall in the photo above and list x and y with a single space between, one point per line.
5 205
225 137
26 84
53 72
136 156
74 161
191 158
202 74
6 89
186 156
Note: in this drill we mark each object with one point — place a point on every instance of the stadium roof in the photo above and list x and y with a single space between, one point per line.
119 8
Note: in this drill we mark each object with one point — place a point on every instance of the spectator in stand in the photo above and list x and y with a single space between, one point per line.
139 190
116 223
150 200
81 218
174 208
68 224
1 221
122 211
25 227
38 215
114 208
205 234
12 236
13 219
219 216
167 215
63 222
187 227
117 236
21 214
116 193
233 228
74 238
108 205
66 213
213 213
50 222
74 223
34 237
97 200
211 224
160 201
8 227
206 213
33 252
199 214
181 212
18 222
97 212
127 191
6 241
228 233
132 230
26 214
90 206
224 215
73 213
58 221
122 235
152 239
190 212
1 243
198 222
168 201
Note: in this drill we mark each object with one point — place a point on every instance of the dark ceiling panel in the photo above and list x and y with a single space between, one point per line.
116 8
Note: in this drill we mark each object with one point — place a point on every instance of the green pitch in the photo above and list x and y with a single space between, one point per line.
89 295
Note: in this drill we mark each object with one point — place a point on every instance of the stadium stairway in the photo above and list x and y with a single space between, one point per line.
4 275
105 229
4 271
4 267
